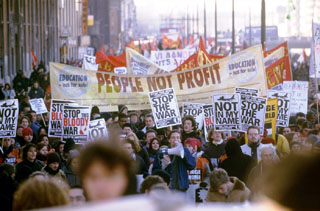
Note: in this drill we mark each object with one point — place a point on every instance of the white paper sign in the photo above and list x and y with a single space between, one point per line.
9 111
165 108
97 129
195 110
284 99
89 63
299 95
38 105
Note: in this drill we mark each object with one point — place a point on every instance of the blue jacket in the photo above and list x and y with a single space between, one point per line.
177 169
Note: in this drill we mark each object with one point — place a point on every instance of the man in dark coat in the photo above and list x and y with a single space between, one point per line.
237 164
20 82
189 129
29 164
69 170
36 91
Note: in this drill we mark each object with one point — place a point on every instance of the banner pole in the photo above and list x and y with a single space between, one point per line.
44 122
315 70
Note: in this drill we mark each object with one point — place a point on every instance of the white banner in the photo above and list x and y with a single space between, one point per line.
316 43
165 108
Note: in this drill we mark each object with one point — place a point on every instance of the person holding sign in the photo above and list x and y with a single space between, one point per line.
189 128
254 143
179 165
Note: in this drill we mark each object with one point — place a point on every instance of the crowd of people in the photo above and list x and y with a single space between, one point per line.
39 171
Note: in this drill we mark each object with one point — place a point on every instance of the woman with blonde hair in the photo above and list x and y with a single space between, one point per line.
39 193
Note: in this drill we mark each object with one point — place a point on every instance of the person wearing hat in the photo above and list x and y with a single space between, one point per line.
203 166
53 168
123 109
226 189
27 135
107 118
20 82
29 164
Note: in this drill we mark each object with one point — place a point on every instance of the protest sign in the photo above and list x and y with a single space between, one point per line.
271 117
195 176
108 90
283 106
208 119
171 59
38 105
89 63
9 112
137 64
120 70
76 121
195 110
299 95
247 91
226 112
97 129
165 108
55 128
252 112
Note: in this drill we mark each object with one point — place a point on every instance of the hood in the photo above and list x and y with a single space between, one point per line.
233 148
72 154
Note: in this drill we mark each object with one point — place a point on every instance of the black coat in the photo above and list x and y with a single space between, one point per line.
25 168
237 164
36 93
20 83
193 134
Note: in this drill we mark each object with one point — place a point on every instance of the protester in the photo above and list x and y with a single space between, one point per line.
29 164
149 182
153 149
149 123
27 135
189 129
141 151
25 122
39 193
36 91
226 189
8 186
215 146
8 92
178 167
76 196
130 147
295 147
42 153
9 154
71 169
106 171
237 164
53 168
254 143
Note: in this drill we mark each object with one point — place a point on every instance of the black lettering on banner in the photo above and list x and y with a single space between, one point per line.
8 118
284 99
226 112
165 108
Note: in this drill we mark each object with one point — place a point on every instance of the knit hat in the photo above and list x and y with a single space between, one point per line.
191 141
122 107
218 177
53 157
106 116
27 131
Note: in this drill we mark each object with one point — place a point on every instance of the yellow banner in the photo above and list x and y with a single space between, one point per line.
107 90
271 115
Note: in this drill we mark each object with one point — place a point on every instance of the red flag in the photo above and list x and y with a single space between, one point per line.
34 59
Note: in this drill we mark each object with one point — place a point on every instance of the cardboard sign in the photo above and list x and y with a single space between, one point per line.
76 121
208 119
247 91
271 117
89 63
226 112
252 112
283 106
9 111
195 110
97 129
165 108
38 105
299 95
55 128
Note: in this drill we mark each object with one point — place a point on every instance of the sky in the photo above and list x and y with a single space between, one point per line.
149 12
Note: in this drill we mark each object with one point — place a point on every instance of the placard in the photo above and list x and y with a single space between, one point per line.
165 108
226 112
208 119
283 106
97 129
271 117
195 110
9 112
299 95
38 105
